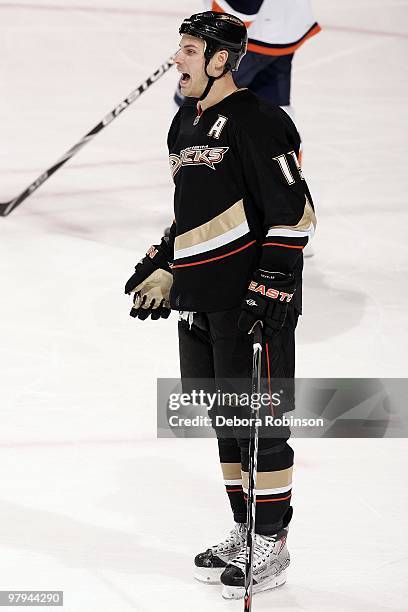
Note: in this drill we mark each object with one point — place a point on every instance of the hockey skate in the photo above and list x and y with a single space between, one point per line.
271 558
209 565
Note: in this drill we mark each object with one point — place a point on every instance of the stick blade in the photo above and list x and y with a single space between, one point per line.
4 208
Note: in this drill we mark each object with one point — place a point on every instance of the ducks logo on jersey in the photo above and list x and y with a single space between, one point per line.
201 155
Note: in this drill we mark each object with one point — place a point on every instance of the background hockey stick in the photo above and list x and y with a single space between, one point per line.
7 207
253 460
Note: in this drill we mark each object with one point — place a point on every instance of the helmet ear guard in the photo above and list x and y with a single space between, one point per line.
231 65
209 51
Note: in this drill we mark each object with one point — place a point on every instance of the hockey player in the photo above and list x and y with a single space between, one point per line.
243 214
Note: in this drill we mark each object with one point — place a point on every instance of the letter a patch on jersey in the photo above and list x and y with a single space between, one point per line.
216 129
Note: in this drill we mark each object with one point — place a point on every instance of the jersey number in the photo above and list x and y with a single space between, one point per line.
284 166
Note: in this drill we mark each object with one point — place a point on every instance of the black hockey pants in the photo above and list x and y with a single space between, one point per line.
214 348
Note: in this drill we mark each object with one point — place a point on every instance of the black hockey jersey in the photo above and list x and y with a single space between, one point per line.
240 200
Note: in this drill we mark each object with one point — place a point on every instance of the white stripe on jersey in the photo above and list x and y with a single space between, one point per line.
280 231
213 243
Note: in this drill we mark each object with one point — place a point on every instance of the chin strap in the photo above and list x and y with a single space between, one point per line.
208 86
211 80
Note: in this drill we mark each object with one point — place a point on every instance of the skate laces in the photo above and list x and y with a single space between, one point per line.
263 548
235 537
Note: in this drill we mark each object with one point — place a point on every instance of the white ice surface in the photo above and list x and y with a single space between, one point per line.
90 501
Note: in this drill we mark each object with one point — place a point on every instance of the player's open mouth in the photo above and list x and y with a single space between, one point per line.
185 77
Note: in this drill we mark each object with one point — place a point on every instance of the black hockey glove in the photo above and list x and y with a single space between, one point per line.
267 300
151 284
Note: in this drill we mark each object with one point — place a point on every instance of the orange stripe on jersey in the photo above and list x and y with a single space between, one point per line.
198 263
217 9
234 490
286 246
282 50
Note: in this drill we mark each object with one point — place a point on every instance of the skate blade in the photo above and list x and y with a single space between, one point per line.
209 575
230 592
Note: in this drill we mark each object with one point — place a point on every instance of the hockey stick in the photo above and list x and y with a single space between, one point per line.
253 460
7 207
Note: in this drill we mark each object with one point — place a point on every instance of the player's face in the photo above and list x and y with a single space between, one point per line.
190 62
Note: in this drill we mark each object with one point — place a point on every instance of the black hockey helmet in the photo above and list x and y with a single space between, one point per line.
219 31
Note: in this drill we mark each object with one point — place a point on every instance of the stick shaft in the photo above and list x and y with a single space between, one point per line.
252 467
7 207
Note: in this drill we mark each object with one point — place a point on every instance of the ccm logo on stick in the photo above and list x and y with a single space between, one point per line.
274 294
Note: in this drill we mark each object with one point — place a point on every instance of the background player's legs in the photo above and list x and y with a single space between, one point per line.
251 65
268 77
178 97
273 81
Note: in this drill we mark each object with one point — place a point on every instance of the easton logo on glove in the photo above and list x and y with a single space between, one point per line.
152 252
269 292
274 291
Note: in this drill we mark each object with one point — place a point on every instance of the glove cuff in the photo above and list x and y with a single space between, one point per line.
157 257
